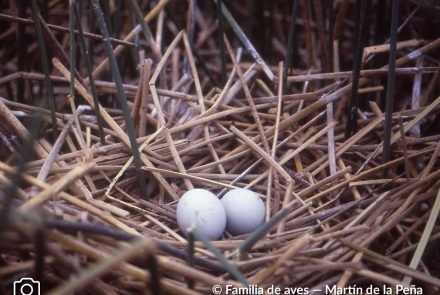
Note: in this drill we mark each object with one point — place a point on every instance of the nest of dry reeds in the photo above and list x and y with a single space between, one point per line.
111 110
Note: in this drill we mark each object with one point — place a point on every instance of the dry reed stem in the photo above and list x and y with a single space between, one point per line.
129 269
73 200
130 161
294 248
109 120
62 183
146 72
160 114
95 271
101 67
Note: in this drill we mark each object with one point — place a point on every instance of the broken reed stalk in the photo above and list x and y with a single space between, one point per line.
86 57
72 63
121 97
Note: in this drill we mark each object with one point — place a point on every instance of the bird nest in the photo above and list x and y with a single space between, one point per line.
103 130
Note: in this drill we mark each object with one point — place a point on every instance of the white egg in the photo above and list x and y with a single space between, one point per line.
244 211
202 209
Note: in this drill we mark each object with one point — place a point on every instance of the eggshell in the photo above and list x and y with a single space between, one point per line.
201 208
244 211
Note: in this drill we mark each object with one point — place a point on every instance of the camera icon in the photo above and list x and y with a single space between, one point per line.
26 286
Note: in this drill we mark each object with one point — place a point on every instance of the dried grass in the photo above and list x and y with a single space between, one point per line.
265 111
